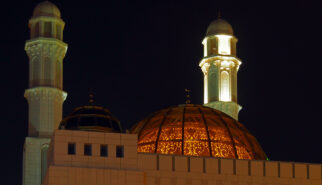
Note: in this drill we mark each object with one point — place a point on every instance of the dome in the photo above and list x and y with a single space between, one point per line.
196 130
91 118
219 26
46 8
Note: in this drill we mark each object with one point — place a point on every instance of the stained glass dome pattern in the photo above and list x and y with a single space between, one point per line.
196 130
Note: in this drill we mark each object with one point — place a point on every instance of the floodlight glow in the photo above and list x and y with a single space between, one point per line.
224 44
224 86
205 89
204 42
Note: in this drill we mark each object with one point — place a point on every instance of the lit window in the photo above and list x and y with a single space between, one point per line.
225 86
87 149
119 151
71 148
104 151
224 44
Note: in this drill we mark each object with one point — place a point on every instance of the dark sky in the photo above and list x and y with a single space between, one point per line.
138 57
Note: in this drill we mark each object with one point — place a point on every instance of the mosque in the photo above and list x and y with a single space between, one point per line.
185 144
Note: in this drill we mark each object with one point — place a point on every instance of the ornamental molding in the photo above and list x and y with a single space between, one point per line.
33 20
45 93
230 108
36 141
205 68
46 47
223 62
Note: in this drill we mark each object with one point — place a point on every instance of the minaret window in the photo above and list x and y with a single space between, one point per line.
206 88
224 44
58 31
58 74
205 47
225 86
35 31
35 69
212 47
47 71
47 29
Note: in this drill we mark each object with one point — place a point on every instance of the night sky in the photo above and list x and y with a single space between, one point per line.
138 57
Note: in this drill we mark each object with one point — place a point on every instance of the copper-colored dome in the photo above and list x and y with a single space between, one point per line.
196 130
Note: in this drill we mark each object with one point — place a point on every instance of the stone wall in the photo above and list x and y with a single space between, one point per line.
154 169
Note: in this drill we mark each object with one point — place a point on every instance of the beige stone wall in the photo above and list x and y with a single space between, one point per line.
61 139
162 169
60 175
154 169
32 160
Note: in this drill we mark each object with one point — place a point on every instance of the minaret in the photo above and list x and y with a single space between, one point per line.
220 66
45 96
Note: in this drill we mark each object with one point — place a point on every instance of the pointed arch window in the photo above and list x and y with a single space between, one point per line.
35 71
47 71
225 86
48 29
59 74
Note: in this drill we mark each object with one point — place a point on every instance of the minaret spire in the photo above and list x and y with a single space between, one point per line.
220 66
91 98
46 51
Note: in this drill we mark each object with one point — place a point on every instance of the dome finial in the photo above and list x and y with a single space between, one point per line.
91 97
187 95
219 14
219 26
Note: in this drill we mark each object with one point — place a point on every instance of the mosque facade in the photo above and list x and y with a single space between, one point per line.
184 144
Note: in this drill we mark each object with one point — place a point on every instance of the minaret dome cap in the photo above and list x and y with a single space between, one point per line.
219 26
47 9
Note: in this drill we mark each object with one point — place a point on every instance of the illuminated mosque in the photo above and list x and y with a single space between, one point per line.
185 144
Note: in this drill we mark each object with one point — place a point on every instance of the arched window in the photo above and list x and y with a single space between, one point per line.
205 88
58 32
31 76
35 31
36 70
224 86
48 29
47 71
44 151
59 74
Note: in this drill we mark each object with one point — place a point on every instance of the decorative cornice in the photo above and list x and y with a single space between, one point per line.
216 35
46 18
220 61
205 68
39 93
49 47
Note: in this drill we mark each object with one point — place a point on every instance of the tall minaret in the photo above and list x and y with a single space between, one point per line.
45 96
220 66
